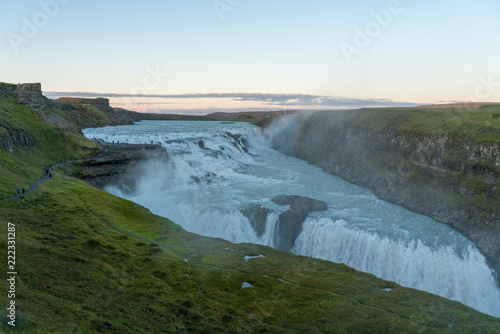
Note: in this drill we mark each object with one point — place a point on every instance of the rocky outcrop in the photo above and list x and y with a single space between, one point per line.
453 179
118 164
117 116
100 103
290 222
257 216
7 90
10 138
121 116
30 94
238 141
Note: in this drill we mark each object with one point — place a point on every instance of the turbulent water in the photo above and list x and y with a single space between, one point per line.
215 170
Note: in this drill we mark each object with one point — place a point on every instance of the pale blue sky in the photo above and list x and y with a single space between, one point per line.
424 52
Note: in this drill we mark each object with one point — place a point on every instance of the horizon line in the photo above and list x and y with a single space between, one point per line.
270 99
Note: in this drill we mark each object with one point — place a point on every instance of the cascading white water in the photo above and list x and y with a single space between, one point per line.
410 263
215 170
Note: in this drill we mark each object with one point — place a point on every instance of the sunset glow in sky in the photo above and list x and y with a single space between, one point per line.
292 54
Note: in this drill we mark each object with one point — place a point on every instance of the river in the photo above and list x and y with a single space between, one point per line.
216 169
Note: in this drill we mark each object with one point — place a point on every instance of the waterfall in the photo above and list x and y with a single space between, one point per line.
463 277
216 170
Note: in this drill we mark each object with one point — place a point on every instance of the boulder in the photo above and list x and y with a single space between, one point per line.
299 203
284 199
257 215
289 225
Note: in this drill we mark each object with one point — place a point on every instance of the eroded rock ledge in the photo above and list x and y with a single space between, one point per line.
10 138
289 224
121 164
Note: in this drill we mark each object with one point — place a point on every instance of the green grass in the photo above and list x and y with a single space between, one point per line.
128 267
95 115
86 258
479 124
52 144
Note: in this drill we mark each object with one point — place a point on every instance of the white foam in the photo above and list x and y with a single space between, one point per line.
204 186
466 278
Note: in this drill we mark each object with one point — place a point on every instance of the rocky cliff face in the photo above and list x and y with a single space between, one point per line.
117 116
453 179
289 224
10 138
100 103
30 94
120 165
7 90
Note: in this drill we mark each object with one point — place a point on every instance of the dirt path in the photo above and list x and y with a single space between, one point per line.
108 151
46 176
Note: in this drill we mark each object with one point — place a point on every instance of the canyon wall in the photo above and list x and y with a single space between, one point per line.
450 175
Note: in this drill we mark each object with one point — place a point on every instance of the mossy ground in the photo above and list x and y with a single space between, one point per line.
144 274
52 144
479 124
95 115
90 262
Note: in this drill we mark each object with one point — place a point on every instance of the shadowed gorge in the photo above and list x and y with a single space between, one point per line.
444 163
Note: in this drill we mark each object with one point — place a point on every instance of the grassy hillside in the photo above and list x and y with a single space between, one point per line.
90 262
142 273
51 144
477 124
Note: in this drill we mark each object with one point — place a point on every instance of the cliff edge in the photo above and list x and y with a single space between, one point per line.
83 112
443 163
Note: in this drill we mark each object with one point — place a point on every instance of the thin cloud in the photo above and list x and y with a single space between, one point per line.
283 100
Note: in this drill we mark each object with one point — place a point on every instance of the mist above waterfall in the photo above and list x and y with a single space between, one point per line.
215 171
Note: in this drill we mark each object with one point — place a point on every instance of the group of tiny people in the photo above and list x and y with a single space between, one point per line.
23 191
118 143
